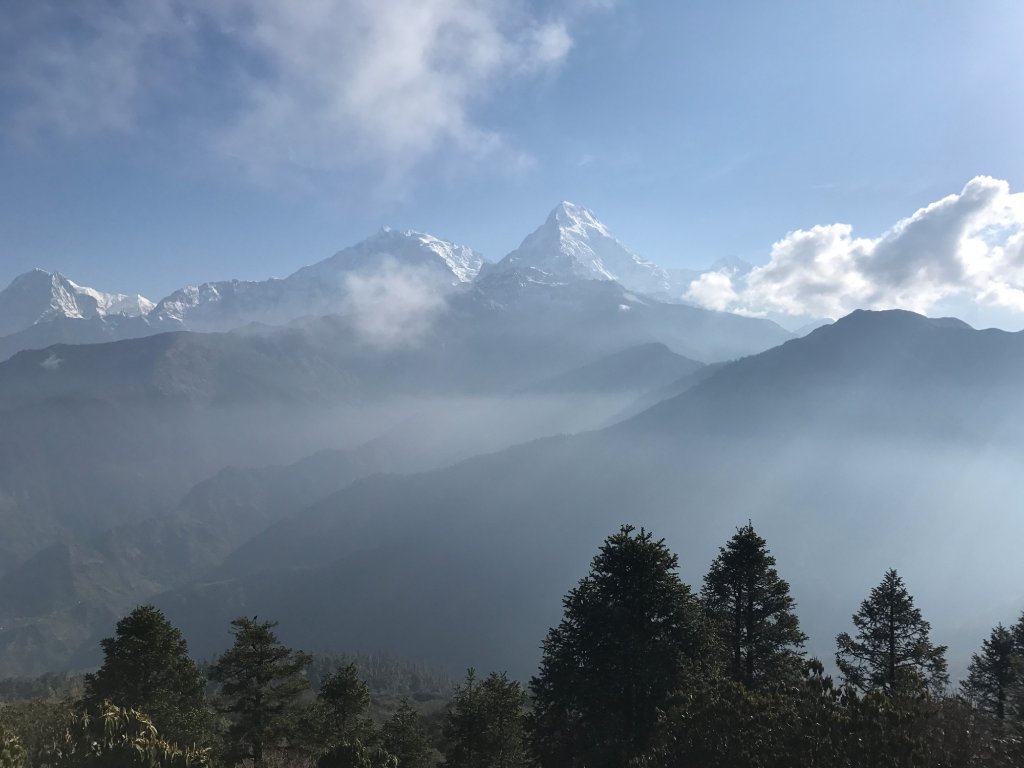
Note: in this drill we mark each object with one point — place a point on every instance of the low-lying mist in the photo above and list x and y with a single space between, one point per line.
476 558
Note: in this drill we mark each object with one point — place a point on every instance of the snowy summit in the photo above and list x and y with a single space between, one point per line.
39 296
574 244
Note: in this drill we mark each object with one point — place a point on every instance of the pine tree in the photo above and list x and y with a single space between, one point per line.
892 651
994 676
342 704
485 725
753 612
404 736
626 646
1017 631
146 667
260 681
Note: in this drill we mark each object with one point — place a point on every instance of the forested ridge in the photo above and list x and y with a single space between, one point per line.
642 670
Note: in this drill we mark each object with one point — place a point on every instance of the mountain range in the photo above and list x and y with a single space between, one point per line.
405 448
39 309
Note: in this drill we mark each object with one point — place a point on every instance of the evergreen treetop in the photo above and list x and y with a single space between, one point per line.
753 612
994 677
146 667
631 634
891 651
404 736
260 682
485 724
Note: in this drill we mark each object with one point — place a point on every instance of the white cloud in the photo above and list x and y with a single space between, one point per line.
713 290
393 305
309 86
964 251
82 68
381 83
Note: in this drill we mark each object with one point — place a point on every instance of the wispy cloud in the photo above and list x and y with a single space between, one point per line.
321 86
382 83
966 249
393 305
76 69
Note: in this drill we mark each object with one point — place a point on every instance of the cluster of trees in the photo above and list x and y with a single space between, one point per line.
642 671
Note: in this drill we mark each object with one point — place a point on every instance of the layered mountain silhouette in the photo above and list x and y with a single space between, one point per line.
859 468
886 438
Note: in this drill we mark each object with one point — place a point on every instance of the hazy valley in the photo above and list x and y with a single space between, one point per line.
479 428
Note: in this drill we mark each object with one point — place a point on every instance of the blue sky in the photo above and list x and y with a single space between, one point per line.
147 145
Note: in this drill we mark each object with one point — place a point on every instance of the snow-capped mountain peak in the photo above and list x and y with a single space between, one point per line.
39 296
320 288
129 305
577 220
453 263
574 244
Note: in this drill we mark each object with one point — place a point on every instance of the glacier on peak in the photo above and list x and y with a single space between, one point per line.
573 243
39 296
319 288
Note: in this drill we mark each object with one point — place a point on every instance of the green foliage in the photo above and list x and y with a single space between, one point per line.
260 684
339 713
51 685
630 677
892 651
994 678
1017 630
355 754
813 724
345 699
404 736
119 738
485 725
37 724
753 612
12 753
718 722
146 667
627 646
384 674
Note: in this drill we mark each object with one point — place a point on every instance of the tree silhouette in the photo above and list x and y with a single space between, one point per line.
892 651
626 646
146 667
341 707
485 724
261 681
404 736
753 612
994 676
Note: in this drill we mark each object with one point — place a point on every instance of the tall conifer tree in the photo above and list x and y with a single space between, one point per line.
625 648
261 681
342 705
753 612
892 651
404 736
146 667
994 676
485 726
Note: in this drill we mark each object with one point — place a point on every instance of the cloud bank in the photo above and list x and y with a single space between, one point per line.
963 252
312 86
